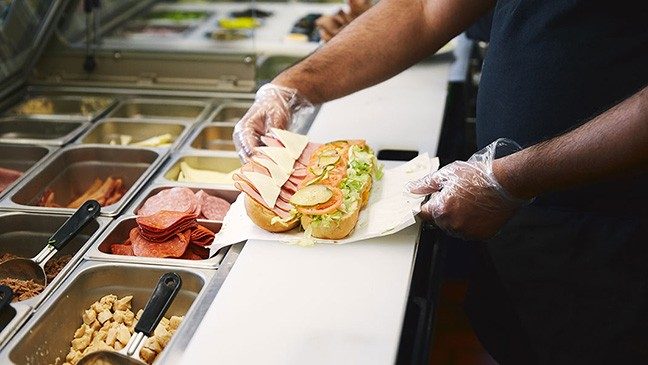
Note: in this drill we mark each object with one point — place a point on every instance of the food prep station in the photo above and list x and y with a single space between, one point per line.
62 127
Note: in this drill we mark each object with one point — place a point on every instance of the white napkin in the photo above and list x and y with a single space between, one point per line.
390 209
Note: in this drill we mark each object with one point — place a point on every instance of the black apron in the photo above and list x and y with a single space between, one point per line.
565 282
575 289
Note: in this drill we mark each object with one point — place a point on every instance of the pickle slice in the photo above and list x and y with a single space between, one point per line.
328 160
311 195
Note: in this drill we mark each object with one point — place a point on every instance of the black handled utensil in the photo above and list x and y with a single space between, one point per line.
166 290
34 268
6 294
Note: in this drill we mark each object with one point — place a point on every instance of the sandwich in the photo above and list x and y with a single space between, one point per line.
293 182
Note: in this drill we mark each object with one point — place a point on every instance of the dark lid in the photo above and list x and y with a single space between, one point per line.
25 26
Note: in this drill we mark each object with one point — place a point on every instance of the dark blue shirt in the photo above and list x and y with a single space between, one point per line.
553 65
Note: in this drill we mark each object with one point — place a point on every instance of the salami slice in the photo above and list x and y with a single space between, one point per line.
199 202
174 247
177 199
214 208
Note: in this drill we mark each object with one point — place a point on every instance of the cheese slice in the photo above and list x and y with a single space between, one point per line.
279 176
265 186
189 174
295 143
280 156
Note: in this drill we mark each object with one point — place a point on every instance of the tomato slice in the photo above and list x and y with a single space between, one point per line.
327 207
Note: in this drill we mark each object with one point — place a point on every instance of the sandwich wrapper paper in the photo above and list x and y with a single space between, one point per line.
390 209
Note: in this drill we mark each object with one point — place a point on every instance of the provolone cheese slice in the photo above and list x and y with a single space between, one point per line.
280 156
279 176
295 143
189 174
265 186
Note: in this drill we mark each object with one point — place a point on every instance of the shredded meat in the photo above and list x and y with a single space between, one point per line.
25 289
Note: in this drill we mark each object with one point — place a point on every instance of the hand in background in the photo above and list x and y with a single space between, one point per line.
331 25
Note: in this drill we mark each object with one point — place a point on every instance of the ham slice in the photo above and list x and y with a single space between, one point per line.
271 141
308 152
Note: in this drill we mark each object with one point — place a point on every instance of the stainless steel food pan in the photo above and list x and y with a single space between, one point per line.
73 169
213 137
118 233
40 132
230 112
223 163
110 131
62 106
48 333
22 158
13 316
26 234
229 194
191 110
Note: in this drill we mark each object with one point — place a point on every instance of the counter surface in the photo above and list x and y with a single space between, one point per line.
328 304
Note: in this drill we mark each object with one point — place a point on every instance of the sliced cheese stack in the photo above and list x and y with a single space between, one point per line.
274 172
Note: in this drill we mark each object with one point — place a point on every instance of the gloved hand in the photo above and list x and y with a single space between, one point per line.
330 25
466 200
274 107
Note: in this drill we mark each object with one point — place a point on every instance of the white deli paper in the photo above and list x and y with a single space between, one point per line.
390 209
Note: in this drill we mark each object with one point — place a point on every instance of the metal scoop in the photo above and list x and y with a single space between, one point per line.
34 268
163 295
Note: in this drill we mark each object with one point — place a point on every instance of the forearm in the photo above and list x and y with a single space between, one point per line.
614 143
384 41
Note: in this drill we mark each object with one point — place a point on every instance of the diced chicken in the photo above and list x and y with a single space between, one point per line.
129 317
111 336
81 343
118 345
148 355
89 316
153 344
123 303
174 322
123 334
104 315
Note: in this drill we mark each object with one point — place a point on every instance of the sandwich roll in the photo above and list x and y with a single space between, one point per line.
291 181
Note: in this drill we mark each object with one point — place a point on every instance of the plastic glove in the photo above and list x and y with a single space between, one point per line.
466 200
274 107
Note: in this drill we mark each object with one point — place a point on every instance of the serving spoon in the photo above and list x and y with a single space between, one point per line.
163 295
34 268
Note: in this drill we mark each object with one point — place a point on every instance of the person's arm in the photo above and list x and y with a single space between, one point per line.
475 199
382 42
614 143
385 40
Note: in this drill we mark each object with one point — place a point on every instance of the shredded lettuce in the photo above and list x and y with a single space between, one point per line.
275 219
362 165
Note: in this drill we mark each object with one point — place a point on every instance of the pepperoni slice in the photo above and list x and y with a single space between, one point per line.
174 247
327 207
121 249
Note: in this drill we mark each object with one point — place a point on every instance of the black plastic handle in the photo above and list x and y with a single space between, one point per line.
86 213
6 294
165 291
